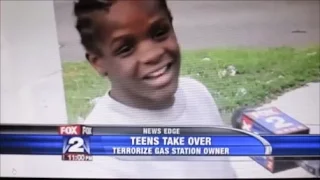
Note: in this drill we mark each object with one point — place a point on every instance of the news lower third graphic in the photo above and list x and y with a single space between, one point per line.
269 136
82 143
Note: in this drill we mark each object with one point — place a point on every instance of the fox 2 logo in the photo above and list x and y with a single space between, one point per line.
76 145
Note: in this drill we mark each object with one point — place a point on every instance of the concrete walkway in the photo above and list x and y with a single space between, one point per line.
302 104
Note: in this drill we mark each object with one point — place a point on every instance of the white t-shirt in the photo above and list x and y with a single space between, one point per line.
193 106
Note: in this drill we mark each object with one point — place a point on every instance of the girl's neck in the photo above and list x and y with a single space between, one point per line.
140 102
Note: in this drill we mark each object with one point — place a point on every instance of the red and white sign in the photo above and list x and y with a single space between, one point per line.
70 130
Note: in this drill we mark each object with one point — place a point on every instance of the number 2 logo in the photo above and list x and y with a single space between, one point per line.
278 122
76 145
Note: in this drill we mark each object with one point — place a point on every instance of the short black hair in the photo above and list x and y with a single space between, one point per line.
89 29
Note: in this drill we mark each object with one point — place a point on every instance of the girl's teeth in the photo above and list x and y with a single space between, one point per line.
159 72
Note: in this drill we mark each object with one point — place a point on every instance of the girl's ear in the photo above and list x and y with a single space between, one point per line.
98 63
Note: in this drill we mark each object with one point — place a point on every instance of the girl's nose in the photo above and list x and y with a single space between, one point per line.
152 54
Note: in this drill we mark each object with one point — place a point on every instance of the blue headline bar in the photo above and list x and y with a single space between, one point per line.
153 145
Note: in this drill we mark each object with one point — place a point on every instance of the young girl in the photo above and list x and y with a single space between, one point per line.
134 45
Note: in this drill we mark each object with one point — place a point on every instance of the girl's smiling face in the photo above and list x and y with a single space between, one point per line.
141 54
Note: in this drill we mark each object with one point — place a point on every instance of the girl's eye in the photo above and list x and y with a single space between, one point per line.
125 48
160 33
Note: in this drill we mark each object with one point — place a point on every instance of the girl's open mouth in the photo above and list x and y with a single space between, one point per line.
159 72
160 77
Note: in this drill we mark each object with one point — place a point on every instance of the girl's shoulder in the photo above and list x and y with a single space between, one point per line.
191 85
200 99
196 92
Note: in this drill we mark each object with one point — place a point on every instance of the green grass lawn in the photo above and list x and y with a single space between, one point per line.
261 75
